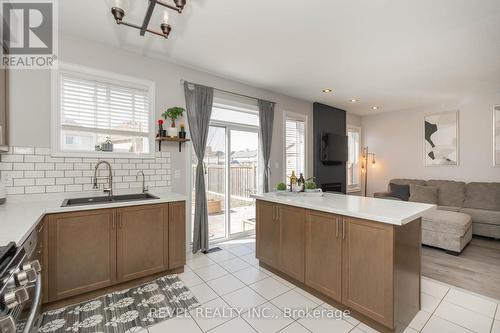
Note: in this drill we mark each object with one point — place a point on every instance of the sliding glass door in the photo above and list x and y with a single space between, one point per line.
231 176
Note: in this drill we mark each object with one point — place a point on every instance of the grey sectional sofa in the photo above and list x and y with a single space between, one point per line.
479 201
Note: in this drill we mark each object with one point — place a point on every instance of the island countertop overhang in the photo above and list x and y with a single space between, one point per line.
380 210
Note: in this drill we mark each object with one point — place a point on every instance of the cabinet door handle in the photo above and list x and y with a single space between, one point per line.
274 213
343 228
338 226
277 213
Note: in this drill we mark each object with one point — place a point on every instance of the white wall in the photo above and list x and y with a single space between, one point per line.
397 140
31 99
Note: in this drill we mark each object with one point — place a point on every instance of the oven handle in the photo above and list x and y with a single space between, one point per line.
34 307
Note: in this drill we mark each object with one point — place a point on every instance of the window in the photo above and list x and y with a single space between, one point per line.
354 147
91 107
295 144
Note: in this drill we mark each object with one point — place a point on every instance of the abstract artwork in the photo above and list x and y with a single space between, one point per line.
441 139
496 135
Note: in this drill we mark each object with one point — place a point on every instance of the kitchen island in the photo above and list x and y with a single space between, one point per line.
361 254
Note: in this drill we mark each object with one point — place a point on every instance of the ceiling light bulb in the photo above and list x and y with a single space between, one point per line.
165 17
374 107
327 90
354 100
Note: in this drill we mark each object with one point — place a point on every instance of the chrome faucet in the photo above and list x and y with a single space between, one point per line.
109 190
144 187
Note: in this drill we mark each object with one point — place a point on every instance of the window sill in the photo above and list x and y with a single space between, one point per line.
102 155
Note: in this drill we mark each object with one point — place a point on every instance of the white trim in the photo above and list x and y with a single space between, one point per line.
106 77
300 117
358 186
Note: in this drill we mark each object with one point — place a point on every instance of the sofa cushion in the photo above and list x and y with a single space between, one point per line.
482 196
450 208
402 181
483 215
451 193
446 222
399 191
423 194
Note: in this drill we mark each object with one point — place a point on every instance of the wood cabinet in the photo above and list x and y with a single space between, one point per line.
176 234
142 241
82 252
268 233
291 221
323 267
370 267
367 268
90 250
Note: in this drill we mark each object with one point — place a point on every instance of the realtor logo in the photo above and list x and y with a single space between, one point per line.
28 34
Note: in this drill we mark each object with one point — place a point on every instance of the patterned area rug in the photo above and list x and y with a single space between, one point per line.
123 311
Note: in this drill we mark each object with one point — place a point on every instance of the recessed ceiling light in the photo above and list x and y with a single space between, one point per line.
327 90
354 100
374 107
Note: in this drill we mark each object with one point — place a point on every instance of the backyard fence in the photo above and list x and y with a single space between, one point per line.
243 179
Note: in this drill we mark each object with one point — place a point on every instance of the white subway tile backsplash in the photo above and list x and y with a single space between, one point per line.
24 150
64 181
34 189
50 159
12 158
73 188
33 158
73 160
73 173
24 182
44 166
23 166
45 181
15 190
26 170
57 174
54 188
42 151
64 166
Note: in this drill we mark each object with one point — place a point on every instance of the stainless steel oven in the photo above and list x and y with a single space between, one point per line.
20 287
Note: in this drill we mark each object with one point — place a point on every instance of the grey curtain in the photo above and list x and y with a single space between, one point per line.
266 117
199 108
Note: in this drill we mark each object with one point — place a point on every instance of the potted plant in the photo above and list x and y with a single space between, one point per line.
182 132
161 131
173 114
281 187
310 186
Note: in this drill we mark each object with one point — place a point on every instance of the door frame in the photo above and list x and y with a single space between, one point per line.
228 126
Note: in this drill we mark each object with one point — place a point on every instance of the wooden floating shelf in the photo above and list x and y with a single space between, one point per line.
166 138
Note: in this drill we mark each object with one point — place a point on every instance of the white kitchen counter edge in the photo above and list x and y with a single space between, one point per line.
414 210
21 214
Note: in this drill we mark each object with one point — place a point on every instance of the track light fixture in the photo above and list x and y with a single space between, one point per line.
119 13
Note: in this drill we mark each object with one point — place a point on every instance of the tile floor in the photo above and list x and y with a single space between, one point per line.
231 278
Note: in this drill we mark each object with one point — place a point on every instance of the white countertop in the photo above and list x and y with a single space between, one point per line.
380 210
20 214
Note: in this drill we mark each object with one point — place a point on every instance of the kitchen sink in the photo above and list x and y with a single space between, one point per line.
107 199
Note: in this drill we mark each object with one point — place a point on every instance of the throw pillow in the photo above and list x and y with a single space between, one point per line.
423 194
400 191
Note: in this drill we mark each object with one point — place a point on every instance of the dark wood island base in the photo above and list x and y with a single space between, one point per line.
370 268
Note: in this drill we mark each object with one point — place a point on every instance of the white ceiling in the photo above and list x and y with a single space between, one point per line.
396 54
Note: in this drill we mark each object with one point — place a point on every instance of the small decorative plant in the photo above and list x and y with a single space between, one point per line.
173 114
281 187
310 185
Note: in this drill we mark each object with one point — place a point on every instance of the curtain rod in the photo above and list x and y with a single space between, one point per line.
228 92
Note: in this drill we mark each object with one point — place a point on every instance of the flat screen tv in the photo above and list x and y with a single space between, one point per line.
333 148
